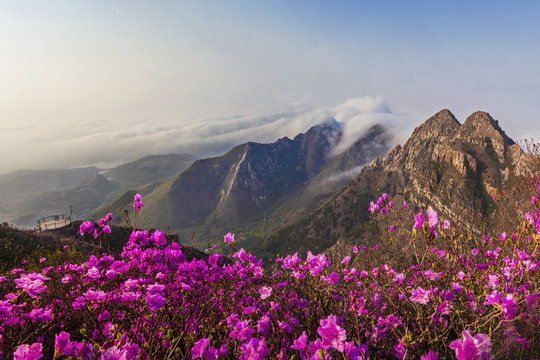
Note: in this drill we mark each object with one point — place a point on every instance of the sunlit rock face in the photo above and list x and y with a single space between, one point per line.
455 168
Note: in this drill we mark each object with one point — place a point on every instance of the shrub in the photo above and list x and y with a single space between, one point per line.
465 296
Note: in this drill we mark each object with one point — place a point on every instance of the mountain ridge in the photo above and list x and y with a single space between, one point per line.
453 167
252 185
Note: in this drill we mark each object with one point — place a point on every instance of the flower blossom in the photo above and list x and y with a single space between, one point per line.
446 226
33 283
333 336
419 221
86 228
300 343
477 347
420 296
28 352
158 238
229 238
430 356
265 291
62 345
254 349
137 202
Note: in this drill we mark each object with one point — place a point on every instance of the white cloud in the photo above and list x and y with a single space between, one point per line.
72 145
359 114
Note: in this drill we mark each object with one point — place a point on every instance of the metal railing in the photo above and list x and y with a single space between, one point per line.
53 222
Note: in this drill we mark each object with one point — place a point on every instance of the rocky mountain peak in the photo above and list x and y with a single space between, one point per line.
443 123
481 129
480 124
440 128
454 168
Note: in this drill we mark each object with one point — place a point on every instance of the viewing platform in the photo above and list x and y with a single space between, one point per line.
53 222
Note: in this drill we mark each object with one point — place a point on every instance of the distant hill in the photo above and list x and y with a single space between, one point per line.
22 184
149 169
27 195
454 168
255 185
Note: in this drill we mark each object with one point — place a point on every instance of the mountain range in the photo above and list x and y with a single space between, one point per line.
27 195
295 194
458 169
255 187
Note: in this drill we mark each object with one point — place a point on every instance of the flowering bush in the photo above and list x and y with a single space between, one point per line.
152 303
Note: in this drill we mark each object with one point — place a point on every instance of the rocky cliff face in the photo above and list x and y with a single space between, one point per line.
255 183
454 168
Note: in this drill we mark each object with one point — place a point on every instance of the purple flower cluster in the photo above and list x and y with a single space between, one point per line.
137 202
153 302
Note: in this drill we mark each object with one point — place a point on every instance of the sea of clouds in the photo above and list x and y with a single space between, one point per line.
109 144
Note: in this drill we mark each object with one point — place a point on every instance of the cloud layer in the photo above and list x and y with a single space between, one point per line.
87 144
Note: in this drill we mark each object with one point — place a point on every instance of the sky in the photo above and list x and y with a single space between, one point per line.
104 82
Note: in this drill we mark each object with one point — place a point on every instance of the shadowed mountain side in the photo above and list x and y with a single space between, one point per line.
454 168
253 182
337 172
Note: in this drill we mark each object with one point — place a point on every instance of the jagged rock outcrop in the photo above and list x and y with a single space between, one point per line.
462 162
454 168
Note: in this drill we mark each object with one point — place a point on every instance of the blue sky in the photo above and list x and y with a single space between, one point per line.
80 76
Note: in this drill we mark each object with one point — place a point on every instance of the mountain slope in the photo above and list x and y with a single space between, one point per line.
454 168
27 195
255 184
84 199
149 169
25 183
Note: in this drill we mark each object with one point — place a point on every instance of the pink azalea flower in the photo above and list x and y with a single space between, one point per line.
419 221
42 315
28 352
137 202
477 347
446 226
420 296
155 302
198 349
254 349
263 325
509 306
33 283
229 238
430 356
158 238
433 218
493 281
104 221
399 278
114 353
86 228
300 343
62 345
265 291
333 336
399 350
